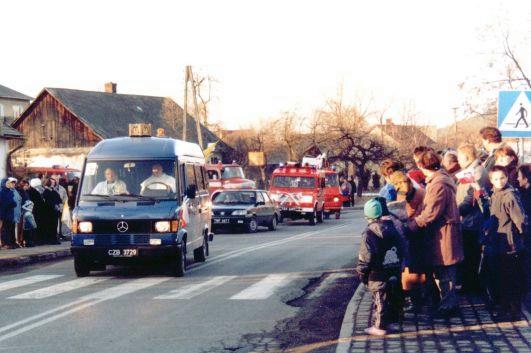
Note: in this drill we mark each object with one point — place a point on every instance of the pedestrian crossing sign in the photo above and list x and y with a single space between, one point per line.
514 113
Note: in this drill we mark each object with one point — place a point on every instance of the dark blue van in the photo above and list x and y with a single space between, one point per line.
142 198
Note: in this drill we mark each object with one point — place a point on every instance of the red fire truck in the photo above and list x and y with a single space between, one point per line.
299 192
333 197
227 176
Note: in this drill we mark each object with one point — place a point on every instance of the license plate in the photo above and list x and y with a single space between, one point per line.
287 209
221 220
123 252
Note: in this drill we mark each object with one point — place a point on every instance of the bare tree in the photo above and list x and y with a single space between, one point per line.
348 138
204 86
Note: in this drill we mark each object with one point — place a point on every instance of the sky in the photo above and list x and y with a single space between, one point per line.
267 57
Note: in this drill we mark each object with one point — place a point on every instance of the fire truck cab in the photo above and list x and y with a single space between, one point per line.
227 176
333 197
299 192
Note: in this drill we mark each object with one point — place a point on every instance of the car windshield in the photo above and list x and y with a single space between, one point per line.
234 197
294 182
232 172
332 180
129 180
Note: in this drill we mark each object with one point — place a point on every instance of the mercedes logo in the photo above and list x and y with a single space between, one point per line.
122 227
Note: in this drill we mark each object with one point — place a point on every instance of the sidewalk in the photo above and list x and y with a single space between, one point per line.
26 256
473 331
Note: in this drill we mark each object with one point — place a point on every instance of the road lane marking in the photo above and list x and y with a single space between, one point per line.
81 304
193 290
26 281
331 278
237 253
264 288
59 288
126 288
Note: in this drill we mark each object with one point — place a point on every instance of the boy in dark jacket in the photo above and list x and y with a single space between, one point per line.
504 245
7 212
380 264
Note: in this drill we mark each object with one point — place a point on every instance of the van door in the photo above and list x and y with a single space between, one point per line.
204 198
192 206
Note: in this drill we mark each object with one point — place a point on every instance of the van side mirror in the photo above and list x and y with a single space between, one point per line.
191 191
260 203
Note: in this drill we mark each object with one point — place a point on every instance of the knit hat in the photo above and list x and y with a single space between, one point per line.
35 182
372 209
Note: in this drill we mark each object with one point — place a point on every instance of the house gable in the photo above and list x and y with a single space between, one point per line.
47 123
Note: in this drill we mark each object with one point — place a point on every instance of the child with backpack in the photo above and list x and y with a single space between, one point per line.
29 225
380 263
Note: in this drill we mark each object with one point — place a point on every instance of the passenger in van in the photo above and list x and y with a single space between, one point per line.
111 186
159 177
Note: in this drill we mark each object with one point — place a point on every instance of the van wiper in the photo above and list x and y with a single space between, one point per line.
99 195
138 195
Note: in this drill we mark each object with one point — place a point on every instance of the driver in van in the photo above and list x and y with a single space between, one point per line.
159 177
111 186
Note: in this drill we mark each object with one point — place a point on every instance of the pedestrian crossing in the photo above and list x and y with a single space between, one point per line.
234 288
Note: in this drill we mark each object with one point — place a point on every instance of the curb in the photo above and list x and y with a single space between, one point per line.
33 259
347 326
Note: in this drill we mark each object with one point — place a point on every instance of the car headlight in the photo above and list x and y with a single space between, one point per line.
307 198
85 227
336 199
239 213
162 226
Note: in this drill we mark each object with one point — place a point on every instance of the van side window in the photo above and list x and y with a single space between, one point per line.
182 173
199 178
203 171
190 175
259 197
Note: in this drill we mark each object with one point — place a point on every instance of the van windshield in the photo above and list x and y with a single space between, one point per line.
294 182
124 180
232 172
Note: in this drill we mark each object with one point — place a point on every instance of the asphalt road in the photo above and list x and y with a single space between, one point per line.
244 291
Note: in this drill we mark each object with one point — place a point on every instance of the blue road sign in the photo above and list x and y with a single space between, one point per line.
514 113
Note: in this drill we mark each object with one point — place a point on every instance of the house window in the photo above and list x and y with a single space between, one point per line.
17 111
1 111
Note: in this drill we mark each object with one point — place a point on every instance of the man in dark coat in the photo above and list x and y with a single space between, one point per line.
7 212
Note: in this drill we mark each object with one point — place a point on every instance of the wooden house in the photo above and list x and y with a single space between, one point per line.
62 125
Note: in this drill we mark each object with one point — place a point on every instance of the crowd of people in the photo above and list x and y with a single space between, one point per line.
31 210
456 221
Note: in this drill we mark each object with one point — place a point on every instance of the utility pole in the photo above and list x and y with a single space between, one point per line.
185 103
196 109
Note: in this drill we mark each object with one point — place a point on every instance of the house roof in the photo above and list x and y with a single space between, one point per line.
7 132
6 92
109 114
403 133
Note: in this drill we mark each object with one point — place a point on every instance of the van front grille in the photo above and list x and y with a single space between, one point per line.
120 239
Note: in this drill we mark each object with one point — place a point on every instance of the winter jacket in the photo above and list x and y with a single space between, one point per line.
508 220
512 172
28 221
17 212
470 207
7 203
389 192
381 252
440 219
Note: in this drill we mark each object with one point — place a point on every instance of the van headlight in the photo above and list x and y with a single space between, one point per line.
336 199
239 213
162 226
84 227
